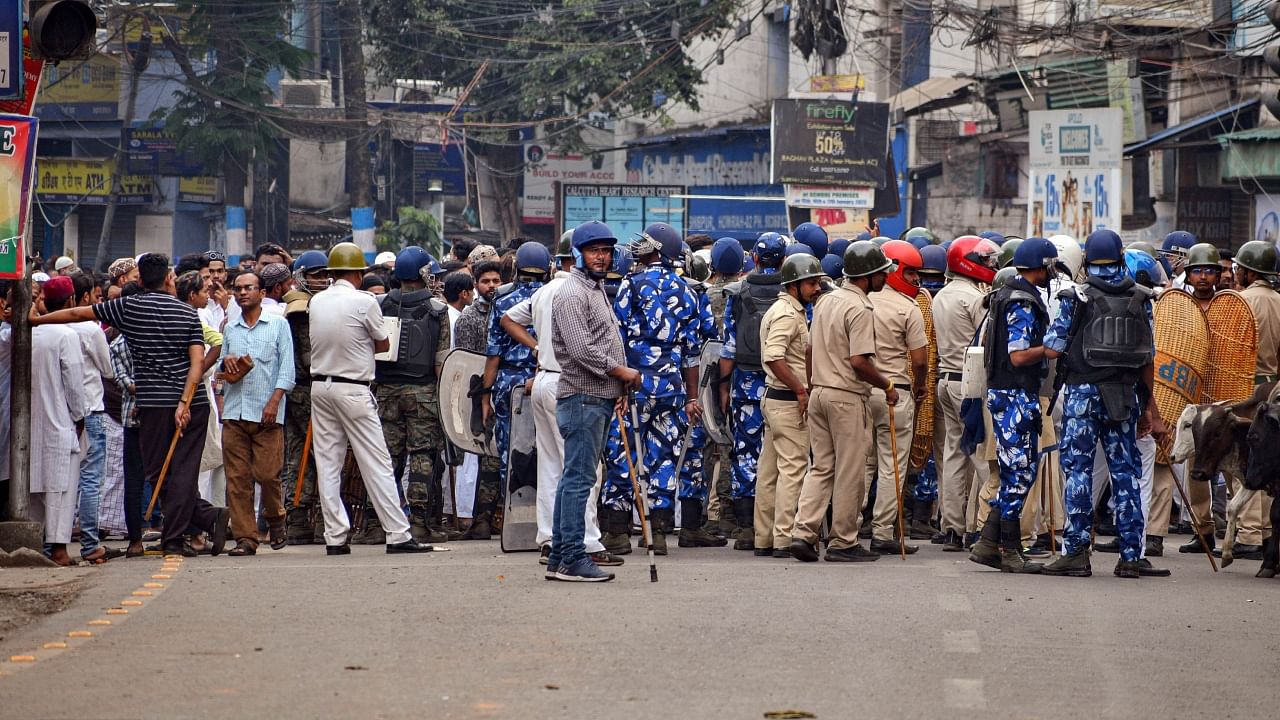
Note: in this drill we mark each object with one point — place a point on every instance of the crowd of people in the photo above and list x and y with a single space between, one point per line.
767 396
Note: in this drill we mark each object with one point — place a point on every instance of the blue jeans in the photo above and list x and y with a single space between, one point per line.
583 422
92 468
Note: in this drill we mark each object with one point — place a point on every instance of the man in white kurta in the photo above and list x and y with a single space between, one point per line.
57 410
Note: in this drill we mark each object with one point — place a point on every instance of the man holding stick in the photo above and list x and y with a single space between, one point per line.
593 377
165 336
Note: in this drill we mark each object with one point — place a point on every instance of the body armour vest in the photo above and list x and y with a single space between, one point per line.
1110 333
1002 374
752 298
420 317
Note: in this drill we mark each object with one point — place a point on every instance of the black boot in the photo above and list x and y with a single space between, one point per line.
1194 546
987 550
481 518
692 533
1011 558
1074 565
744 509
659 519
298 526
1155 546
617 527
921 517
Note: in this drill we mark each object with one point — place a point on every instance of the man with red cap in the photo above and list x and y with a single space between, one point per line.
902 354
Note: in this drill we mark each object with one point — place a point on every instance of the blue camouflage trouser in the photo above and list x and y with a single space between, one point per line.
501 398
1084 424
662 424
926 489
1015 419
747 421
693 483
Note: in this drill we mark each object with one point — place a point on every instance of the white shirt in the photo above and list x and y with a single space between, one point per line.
96 362
453 320
537 310
212 314
345 322
269 305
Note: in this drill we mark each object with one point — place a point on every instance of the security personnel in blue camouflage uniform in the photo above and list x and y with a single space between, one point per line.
659 318
747 302
511 364
1015 370
1108 387
727 260
694 488
408 402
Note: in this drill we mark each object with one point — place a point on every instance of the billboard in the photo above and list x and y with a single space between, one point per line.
626 209
87 181
445 163
11 74
1074 202
81 90
17 152
829 142
152 151
1076 138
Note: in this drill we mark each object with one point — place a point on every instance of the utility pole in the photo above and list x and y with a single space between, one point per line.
356 106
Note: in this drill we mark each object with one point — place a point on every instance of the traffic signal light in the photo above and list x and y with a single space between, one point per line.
62 29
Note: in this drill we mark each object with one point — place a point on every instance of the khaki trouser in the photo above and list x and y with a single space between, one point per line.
1254 516
252 454
880 460
840 438
957 471
784 458
1162 500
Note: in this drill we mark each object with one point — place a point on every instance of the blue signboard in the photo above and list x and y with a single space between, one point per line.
732 164
152 151
11 77
626 209
445 163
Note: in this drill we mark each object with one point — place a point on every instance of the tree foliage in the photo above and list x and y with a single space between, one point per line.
548 60
222 111
414 227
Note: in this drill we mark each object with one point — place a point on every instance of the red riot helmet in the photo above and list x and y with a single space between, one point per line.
907 257
973 257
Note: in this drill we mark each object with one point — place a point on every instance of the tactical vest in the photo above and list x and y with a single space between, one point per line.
718 295
1002 374
752 298
420 318
1110 333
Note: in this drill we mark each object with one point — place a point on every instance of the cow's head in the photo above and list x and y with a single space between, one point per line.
1216 432
1184 436
1264 444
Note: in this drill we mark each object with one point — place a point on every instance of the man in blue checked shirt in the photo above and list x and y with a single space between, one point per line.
257 367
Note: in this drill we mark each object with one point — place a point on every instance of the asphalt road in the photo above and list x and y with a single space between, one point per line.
474 633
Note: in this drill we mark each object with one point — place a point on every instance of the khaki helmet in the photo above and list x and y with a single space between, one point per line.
347 256
1005 274
1258 256
801 266
863 258
1203 255
1007 250
564 249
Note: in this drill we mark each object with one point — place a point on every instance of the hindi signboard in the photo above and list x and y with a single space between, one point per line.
829 142
88 181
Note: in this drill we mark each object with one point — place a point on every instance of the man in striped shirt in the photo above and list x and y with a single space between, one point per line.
167 343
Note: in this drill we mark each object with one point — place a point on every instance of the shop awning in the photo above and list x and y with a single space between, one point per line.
1226 120
932 94
1251 154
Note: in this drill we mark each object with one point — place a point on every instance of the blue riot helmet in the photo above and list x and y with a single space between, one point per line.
770 250
838 246
933 268
833 265
798 249
726 256
1036 253
812 236
1178 242
308 271
748 263
590 233
864 235
1143 268
993 236
660 238
1103 247
409 263
533 258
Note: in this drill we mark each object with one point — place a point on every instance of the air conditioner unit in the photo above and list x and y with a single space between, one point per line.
306 93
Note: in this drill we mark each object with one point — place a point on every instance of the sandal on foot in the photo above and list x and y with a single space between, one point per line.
242 549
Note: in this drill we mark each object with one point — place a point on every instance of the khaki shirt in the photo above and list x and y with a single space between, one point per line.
345 322
957 312
843 326
1265 304
784 333
899 330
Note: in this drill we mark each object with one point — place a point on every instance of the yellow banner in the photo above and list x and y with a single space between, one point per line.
198 189
837 83
87 181
96 80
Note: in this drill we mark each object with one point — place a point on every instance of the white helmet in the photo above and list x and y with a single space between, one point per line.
1069 255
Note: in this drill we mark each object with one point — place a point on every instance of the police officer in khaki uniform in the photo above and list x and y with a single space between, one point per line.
957 313
784 457
902 353
1255 267
346 331
843 373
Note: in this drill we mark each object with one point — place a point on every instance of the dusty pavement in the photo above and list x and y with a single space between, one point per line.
474 633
